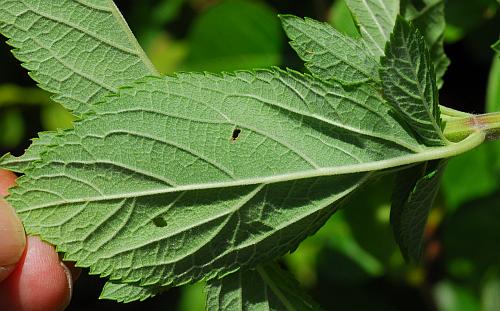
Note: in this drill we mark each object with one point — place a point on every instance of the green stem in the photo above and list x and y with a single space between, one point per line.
447 112
457 129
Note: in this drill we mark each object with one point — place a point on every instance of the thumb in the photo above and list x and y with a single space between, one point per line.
12 238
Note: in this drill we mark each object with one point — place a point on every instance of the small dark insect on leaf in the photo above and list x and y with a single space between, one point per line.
236 133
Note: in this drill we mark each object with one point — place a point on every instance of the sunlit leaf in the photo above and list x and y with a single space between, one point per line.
236 34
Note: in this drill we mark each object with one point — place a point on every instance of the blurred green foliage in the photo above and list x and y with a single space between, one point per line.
352 263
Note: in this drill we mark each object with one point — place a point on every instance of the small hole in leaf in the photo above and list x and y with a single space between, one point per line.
159 222
236 133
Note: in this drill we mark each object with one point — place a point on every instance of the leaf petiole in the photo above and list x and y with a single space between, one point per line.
457 129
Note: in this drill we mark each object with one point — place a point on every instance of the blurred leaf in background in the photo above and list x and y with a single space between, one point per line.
235 34
341 19
490 292
481 165
470 239
15 102
463 16
12 128
452 297
193 297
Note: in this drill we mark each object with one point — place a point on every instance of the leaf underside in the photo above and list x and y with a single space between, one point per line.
327 53
174 199
430 20
414 194
268 287
375 19
172 194
78 50
127 292
409 83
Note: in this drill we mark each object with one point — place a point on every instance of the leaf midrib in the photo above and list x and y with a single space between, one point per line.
84 31
379 26
431 153
429 105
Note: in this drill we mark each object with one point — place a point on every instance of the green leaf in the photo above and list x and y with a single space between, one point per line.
158 190
336 237
409 83
328 54
68 46
126 293
375 19
20 164
266 288
430 20
341 18
235 34
415 191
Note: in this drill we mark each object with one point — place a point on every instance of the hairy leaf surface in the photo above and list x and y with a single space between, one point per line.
375 19
266 288
409 83
415 191
327 53
78 50
154 187
430 20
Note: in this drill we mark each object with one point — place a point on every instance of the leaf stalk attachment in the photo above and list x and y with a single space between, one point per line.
459 128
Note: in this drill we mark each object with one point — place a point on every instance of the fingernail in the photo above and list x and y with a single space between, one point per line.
12 239
69 278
